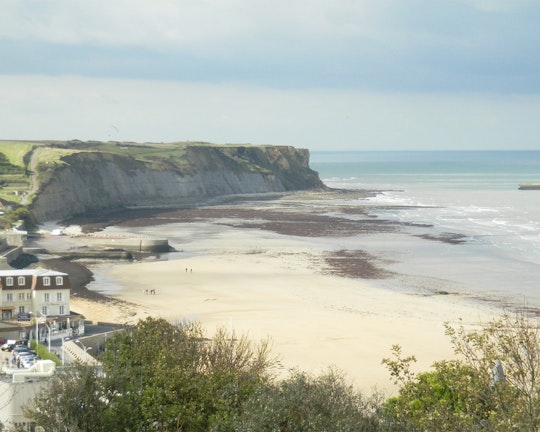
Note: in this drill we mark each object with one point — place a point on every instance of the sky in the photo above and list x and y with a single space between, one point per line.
316 74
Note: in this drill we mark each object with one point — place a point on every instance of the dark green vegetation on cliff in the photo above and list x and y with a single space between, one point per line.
57 179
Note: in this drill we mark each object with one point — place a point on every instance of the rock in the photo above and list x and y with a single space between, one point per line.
97 180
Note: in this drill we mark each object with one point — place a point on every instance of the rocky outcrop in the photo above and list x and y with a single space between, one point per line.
91 181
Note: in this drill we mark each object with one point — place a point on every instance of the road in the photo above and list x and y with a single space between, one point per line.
31 169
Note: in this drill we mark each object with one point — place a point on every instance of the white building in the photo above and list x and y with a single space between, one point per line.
36 300
34 303
16 393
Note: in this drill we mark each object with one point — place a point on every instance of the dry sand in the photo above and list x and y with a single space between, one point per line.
268 286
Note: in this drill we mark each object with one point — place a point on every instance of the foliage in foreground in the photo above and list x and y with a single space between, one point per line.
156 377
164 377
11 217
493 386
309 403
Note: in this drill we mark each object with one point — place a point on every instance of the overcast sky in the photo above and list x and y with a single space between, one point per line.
317 74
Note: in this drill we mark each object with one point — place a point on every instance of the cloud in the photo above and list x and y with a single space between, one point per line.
388 45
385 73
169 22
38 107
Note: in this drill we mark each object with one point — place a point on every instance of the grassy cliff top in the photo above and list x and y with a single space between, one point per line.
21 162
17 151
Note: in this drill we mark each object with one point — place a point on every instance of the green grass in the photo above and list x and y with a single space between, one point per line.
44 353
145 152
9 196
16 151
50 155
52 151
13 175
13 179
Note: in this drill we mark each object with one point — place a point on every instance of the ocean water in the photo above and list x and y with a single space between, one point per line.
470 193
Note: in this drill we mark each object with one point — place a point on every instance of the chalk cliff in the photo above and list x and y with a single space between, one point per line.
90 181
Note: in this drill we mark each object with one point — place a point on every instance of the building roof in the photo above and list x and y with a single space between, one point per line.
31 272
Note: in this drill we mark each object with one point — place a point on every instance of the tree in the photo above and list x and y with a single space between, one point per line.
491 386
449 398
506 352
306 403
11 217
157 377
72 402
181 380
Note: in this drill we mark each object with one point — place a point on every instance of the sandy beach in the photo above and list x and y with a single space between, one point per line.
266 284
313 320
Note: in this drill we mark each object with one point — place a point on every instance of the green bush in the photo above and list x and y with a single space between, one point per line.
307 403
157 376
164 377
492 386
11 217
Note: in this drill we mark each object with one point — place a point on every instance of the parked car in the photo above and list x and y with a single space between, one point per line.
28 361
18 358
22 353
10 344
20 348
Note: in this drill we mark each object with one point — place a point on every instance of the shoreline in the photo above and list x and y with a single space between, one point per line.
314 320
284 270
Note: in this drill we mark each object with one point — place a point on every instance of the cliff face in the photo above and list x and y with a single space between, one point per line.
92 181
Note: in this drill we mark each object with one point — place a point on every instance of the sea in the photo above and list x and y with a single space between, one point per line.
470 194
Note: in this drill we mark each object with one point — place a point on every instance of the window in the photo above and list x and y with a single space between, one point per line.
9 297
61 310
59 280
21 309
20 280
44 310
21 296
47 281
9 281
27 426
59 297
28 296
46 297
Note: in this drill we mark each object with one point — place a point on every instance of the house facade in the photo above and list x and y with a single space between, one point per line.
34 304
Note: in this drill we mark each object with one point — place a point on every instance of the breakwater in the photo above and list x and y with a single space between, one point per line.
529 186
133 244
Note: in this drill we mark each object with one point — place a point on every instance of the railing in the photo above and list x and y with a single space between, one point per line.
78 353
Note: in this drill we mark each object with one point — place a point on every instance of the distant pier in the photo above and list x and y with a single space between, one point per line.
529 186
